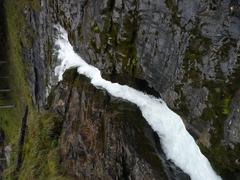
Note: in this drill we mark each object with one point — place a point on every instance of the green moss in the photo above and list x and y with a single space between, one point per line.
20 92
119 51
173 7
222 158
127 47
35 4
225 105
198 46
41 146
220 95
219 98
95 28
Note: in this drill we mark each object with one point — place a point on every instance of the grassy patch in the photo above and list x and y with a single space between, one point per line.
41 145
20 93
41 152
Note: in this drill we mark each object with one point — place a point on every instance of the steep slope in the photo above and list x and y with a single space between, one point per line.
187 52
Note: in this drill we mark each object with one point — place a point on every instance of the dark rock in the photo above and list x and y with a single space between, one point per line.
103 137
186 51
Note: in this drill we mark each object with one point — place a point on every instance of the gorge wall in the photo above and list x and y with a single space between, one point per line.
187 52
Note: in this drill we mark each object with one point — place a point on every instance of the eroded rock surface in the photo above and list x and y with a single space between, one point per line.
186 51
104 137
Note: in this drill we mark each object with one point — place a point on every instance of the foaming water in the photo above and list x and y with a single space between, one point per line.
178 145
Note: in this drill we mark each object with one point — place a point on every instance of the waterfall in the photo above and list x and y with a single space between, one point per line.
178 145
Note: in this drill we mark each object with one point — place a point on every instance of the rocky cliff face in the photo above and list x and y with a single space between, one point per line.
186 52
100 138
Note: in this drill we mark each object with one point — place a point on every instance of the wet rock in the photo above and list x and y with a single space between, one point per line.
186 51
104 137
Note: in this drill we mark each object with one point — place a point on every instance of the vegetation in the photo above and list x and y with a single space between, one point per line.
41 145
219 99
118 49
41 148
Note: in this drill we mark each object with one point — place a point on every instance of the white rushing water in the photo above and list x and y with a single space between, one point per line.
178 145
